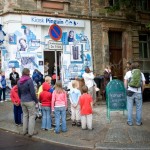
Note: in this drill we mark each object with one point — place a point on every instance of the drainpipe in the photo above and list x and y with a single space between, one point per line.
89 7
90 17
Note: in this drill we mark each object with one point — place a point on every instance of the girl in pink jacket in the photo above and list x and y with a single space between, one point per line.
59 106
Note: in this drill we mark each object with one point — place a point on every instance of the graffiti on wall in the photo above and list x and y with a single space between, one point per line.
28 51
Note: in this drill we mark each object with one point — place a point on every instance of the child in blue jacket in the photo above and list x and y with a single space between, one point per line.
3 87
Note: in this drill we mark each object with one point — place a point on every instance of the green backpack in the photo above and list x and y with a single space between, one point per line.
135 80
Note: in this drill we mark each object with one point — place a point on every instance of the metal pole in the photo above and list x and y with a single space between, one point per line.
56 63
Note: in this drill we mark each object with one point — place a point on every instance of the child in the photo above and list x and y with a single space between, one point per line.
86 106
17 106
48 80
59 105
45 98
3 86
74 95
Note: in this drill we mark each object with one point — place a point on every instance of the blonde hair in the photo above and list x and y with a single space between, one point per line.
74 84
48 78
58 87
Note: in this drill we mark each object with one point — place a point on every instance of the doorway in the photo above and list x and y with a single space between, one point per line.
49 56
115 51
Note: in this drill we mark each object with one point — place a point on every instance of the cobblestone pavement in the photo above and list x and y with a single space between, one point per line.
115 134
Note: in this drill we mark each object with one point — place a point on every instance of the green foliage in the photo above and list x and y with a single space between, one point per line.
126 4
148 26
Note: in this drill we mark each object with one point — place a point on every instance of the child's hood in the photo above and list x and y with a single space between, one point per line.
45 86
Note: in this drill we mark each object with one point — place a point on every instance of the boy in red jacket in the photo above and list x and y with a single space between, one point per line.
45 98
17 106
86 106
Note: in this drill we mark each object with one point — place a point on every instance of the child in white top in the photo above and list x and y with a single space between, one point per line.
74 95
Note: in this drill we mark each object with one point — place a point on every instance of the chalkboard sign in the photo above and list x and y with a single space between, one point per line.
115 96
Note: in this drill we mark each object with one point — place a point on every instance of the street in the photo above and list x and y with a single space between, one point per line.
13 141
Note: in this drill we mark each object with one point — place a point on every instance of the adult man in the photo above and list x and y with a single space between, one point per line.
88 77
13 77
46 68
134 93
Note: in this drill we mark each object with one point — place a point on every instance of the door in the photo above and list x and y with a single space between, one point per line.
53 57
115 49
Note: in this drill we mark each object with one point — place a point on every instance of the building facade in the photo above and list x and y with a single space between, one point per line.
91 36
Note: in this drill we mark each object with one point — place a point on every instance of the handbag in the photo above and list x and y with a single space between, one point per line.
129 93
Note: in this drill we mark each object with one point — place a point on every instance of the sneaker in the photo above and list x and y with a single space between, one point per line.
50 129
129 124
91 129
43 129
1 101
84 128
139 124
78 124
56 132
34 133
73 123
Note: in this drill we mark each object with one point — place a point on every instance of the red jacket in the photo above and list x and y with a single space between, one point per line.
14 95
45 96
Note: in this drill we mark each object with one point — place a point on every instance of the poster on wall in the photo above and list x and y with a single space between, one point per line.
29 61
76 54
12 39
22 44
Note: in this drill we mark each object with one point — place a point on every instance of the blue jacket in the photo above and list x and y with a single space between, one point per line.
3 82
26 90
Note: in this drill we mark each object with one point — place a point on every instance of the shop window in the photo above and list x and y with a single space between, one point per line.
144 46
143 5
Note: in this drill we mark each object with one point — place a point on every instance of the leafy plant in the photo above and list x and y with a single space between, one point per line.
118 4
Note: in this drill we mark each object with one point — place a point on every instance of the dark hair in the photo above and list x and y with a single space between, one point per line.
87 69
26 71
22 39
135 65
84 89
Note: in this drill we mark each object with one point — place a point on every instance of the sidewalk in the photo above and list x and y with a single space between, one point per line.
114 135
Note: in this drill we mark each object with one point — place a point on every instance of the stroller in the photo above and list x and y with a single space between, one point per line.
38 112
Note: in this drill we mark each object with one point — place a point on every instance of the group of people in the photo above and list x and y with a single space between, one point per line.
54 100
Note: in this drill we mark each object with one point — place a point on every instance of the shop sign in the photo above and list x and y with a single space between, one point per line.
116 98
55 45
40 20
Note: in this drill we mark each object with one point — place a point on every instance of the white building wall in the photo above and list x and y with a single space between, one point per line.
27 38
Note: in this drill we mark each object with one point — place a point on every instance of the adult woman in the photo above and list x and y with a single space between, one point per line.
28 98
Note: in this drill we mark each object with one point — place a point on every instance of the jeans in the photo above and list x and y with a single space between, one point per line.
46 118
60 112
29 114
138 100
18 114
2 91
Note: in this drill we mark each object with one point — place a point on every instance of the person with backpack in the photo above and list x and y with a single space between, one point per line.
134 82
36 77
